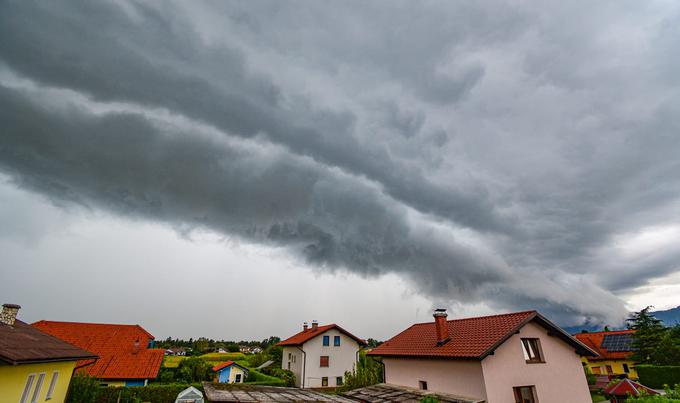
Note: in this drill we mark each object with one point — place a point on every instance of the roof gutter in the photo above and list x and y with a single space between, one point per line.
304 365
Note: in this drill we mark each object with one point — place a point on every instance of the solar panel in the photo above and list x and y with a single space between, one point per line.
618 342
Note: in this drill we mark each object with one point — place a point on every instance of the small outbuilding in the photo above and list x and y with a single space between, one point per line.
230 372
190 395
621 390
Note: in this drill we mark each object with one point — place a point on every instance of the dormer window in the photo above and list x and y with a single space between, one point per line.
532 351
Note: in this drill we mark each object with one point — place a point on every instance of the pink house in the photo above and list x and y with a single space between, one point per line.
513 358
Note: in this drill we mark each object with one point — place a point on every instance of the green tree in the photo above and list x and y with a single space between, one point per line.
193 369
649 333
367 372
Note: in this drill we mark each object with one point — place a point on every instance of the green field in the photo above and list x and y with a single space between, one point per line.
221 357
172 361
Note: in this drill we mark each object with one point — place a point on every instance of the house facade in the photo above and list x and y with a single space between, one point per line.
319 356
230 372
614 349
34 366
518 357
126 356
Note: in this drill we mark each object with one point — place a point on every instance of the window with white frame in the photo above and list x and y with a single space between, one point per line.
27 388
53 384
38 387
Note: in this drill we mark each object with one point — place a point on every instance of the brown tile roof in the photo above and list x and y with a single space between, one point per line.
122 349
306 335
471 338
23 344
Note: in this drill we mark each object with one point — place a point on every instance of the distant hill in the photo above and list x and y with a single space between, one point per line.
669 317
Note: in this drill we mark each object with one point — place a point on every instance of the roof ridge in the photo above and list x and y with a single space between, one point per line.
479 317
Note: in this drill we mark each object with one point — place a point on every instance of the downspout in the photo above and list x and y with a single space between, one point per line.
304 365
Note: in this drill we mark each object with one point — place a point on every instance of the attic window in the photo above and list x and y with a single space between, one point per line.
532 351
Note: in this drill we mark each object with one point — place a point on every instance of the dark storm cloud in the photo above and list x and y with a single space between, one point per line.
485 151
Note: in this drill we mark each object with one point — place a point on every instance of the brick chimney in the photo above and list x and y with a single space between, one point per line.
441 327
315 324
9 313
305 326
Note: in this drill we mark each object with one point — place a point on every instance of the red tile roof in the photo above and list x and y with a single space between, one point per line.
306 335
471 338
626 386
594 341
121 348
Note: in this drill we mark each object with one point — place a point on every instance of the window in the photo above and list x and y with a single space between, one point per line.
289 365
326 340
626 369
525 394
324 381
38 387
238 378
289 355
336 340
293 358
609 370
27 388
53 383
597 370
323 361
338 381
532 351
422 385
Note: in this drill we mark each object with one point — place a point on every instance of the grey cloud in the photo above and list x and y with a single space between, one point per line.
534 136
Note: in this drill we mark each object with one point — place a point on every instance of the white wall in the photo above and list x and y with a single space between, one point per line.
560 379
341 359
457 377
293 355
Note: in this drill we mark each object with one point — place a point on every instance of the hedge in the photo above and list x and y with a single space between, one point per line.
258 378
657 376
151 393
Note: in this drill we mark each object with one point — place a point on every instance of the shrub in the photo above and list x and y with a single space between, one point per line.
368 372
658 376
153 393
83 389
258 378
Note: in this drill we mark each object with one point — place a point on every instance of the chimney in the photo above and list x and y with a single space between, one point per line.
441 326
304 326
9 313
315 324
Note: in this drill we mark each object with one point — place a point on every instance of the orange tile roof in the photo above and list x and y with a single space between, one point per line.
121 348
594 341
306 335
470 338
227 364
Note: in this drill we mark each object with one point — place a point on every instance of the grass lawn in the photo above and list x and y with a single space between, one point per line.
172 361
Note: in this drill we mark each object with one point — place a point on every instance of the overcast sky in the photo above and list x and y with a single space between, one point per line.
232 169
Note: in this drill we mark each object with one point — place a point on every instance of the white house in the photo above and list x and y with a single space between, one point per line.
320 355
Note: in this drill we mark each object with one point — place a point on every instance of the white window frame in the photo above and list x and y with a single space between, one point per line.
38 388
27 388
53 384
